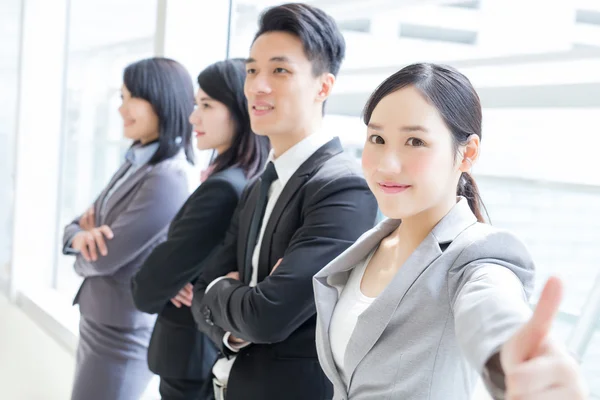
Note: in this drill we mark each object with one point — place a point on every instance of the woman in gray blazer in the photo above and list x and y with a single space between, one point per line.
130 217
433 298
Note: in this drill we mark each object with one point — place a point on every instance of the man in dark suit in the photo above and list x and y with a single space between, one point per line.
254 297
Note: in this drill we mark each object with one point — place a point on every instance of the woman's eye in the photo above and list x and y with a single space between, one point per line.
415 142
376 139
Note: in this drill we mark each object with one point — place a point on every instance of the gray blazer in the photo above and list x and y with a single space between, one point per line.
429 334
138 213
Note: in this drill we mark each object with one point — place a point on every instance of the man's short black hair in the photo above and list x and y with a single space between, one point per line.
323 42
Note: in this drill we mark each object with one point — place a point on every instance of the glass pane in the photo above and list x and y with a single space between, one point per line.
10 19
93 146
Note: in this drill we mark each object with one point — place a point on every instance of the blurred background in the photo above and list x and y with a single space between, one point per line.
535 64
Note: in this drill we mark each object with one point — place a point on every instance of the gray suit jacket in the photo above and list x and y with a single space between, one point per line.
429 334
139 213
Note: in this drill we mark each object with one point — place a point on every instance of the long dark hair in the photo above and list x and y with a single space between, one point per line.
457 102
168 87
224 82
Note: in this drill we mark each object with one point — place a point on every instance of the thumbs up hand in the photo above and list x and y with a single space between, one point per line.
535 366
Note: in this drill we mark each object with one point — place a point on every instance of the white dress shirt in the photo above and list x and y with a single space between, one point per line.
286 165
351 304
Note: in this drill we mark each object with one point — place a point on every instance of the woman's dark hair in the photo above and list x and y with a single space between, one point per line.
457 102
168 87
323 42
224 82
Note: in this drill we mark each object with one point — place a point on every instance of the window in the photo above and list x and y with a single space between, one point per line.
10 20
93 146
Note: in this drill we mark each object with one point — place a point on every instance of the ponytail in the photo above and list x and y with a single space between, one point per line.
468 189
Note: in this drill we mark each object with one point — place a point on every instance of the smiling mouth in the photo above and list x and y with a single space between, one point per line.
262 110
393 187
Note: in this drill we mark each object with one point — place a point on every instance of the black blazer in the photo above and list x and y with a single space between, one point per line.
177 349
325 206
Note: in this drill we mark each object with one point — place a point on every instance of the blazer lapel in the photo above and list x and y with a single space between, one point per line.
290 189
125 188
328 150
244 228
374 320
120 172
332 278
326 298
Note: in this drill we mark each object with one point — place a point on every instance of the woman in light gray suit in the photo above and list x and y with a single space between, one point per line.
129 218
432 298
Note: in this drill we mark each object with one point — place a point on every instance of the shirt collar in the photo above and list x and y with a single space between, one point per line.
289 162
139 155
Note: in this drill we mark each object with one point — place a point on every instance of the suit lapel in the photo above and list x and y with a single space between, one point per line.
299 179
326 298
120 172
290 189
358 250
125 188
244 228
332 278
374 320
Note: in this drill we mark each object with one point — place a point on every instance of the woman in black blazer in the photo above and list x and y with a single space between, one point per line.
178 352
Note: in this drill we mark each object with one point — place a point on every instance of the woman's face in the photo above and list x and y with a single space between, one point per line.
213 126
409 159
140 122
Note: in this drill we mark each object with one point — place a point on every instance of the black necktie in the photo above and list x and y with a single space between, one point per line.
267 177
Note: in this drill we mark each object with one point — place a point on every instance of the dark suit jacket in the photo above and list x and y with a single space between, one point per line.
177 349
324 207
